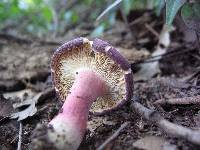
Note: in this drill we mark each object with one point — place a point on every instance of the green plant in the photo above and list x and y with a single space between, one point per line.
190 10
191 16
33 16
43 17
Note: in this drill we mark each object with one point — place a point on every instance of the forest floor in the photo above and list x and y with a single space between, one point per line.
27 93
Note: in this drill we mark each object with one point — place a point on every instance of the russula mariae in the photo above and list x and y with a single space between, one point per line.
87 76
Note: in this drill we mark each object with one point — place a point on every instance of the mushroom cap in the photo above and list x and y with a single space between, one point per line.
100 57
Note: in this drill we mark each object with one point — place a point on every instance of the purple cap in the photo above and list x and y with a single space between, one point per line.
100 57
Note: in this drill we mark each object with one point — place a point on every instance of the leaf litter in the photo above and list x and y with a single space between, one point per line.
29 111
6 107
149 70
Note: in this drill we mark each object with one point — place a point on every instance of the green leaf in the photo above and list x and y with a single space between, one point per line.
36 2
172 7
138 4
71 17
67 16
159 6
74 17
127 6
187 11
190 13
196 7
111 19
47 14
88 2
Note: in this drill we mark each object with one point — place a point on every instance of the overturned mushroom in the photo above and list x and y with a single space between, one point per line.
88 76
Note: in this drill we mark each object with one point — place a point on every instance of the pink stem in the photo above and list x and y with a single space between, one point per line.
87 87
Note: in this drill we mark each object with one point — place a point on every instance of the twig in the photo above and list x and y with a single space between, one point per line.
115 3
112 137
172 129
192 76
152 30
20 137
2 119
140 19
180 101
13 140
137 20
161 56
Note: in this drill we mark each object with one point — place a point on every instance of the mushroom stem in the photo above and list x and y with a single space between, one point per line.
70 124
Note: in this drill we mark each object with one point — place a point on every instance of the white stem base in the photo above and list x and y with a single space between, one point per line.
65 135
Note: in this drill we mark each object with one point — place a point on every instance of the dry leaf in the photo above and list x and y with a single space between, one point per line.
29 111
149 70
153 143
21 115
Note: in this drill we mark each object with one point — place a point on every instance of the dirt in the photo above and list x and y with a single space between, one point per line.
27 66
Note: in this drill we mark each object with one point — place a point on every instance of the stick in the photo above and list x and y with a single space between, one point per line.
112 137
3 118
20 137
172 129
152 30
160 56
179 101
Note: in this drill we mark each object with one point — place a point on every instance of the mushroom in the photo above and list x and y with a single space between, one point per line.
88 76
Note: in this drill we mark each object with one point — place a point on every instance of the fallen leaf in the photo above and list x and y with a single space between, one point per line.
21 115
149 70
153 143
29 111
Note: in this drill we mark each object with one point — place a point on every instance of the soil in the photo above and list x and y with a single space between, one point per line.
25 71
